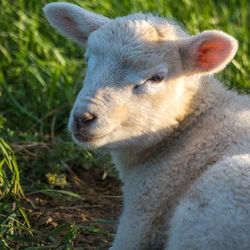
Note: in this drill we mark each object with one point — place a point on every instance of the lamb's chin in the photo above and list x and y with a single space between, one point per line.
90 143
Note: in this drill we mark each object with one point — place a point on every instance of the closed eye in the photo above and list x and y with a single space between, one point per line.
154 79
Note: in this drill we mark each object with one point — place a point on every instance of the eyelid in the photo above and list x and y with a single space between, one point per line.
160 73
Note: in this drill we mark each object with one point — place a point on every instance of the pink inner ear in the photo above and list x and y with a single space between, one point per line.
212 53
68 20
72 28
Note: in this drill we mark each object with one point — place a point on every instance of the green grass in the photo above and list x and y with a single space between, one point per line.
41 73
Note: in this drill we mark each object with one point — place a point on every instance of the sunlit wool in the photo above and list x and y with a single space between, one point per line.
181 144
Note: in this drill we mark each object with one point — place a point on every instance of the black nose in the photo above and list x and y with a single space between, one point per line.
81 121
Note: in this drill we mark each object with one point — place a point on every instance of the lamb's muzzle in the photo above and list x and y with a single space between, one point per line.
81 125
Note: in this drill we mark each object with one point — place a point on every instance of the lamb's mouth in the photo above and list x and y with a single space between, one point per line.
87 138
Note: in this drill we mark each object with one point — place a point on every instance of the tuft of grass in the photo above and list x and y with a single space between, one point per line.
10 190
8 159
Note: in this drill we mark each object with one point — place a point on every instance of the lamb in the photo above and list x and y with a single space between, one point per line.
180 141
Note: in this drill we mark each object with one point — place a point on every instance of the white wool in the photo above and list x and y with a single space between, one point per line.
181 145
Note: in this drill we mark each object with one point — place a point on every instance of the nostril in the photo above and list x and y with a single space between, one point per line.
88 117
82 120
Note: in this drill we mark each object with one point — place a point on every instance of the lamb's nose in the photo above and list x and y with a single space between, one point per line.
83 120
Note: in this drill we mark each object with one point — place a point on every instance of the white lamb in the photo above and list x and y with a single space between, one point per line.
180 141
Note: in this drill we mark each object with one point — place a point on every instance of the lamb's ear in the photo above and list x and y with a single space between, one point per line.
207 52
72 21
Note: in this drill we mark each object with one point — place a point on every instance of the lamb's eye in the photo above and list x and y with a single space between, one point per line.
156 78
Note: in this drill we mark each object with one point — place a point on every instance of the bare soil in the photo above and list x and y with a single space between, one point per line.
102 200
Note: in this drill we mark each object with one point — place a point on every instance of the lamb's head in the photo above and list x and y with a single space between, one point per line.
137 68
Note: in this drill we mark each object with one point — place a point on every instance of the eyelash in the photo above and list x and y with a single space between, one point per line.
157 78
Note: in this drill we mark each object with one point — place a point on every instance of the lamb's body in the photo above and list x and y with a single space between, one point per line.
197 195
180 141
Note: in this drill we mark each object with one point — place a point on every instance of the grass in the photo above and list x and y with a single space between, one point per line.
40 75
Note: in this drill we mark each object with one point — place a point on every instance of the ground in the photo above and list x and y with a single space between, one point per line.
102 201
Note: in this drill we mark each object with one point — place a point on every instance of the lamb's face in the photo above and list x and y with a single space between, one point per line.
127 91
135 90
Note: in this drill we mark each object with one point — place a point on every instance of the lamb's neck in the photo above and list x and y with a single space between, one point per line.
125 159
